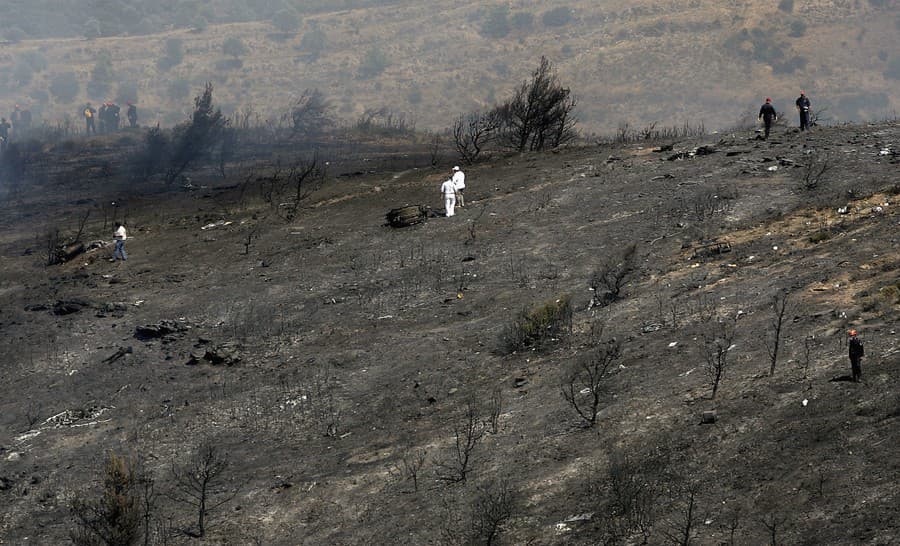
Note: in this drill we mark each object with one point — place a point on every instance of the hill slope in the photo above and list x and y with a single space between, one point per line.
628 62
323 355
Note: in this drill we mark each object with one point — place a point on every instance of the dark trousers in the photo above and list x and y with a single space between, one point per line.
804 120
89 126
855 365
768 124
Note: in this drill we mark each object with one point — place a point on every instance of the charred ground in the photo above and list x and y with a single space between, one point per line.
323 355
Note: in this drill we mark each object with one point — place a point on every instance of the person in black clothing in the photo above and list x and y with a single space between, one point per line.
89 115
103 117
113 123
15 118
856 354
768 115
25 120
4 133
132 114
803 105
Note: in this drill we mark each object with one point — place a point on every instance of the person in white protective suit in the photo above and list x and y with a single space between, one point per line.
448 190
459 181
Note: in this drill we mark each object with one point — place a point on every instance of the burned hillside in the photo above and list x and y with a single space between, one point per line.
586 353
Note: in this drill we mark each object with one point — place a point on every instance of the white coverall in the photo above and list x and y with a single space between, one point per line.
448 190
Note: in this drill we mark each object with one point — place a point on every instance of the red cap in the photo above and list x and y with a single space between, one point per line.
768 99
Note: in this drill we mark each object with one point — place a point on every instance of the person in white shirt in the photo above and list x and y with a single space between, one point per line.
459 181
120 235
448 190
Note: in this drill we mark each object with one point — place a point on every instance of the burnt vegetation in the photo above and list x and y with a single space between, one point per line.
289 370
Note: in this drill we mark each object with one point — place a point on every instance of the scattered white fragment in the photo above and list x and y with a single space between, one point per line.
687 373
138 303
805 402
886 151
386 317
774 248
842 210
674 343
773 168
27 436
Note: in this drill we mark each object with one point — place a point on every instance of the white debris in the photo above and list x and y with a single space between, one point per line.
220 223
674 343
805 402
773 168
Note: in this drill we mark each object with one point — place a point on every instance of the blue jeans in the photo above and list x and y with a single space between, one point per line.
119 250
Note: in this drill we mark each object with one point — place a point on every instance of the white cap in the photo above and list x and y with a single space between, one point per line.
455 168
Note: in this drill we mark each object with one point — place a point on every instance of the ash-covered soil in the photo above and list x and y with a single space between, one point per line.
322 355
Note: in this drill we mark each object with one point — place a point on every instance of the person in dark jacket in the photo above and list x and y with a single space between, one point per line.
803 105
4 133
89 119
768 115
856 354
132 114
113 124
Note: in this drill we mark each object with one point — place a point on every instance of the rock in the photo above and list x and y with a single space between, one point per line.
706 150
161 329
227 353
116 309
5 483
708 417
70 306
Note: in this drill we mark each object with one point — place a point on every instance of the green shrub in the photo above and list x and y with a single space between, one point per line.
893 69
557 17
65 87
496 25
234 47
535 328
820 236
373 64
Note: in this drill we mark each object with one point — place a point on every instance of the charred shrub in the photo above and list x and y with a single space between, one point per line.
537 327
115 516
151 158
540 113
196 138
613 274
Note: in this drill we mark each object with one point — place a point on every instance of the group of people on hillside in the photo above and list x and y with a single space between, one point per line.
19 123
452 190
769 116
106 119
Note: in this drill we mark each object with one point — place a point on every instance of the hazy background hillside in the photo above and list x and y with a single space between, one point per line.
636 62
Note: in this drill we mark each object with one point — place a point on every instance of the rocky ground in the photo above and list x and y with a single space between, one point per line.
335 361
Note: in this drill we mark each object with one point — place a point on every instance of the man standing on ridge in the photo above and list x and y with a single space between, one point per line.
459 182
803 105
856 353
768 115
